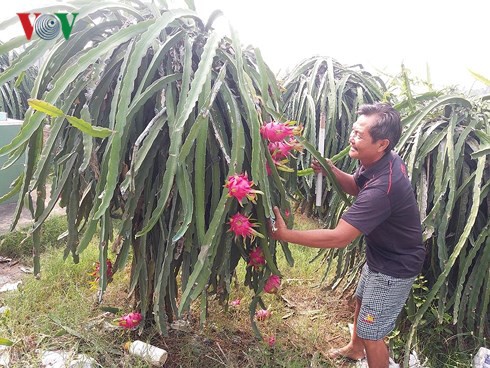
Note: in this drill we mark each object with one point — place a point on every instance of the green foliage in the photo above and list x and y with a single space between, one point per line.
452 191
80 124
305 320
59 312
185 107
14 91
18 244
321 91
445 145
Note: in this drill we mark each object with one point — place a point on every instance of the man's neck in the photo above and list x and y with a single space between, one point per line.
371 163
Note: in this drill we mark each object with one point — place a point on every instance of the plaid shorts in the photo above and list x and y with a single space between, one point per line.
382 298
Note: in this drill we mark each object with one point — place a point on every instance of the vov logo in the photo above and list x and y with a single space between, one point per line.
47 26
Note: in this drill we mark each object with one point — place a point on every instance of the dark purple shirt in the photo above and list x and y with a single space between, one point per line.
386 212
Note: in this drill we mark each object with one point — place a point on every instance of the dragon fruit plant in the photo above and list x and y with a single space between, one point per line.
160 125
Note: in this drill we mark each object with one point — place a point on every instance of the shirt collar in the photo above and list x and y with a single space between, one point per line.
378 166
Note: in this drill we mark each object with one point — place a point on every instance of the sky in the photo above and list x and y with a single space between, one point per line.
449 36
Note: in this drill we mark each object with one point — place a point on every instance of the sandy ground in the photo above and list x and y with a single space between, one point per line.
11 271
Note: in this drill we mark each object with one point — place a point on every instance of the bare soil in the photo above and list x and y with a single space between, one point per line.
10 271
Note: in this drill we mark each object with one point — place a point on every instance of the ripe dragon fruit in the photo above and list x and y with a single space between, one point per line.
241 226
272 284
96 272
235 303
130 321
276 132
256 258
279 150
240 187
262 314
271 340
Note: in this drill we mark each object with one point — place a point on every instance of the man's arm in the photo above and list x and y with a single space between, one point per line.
339 237
346 181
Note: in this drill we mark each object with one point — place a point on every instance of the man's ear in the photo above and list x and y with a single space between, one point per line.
383 144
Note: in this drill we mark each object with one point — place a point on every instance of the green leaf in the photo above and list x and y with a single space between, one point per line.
113 310
184 110
70 330
6 342
45 107
481 152
87 128
15 188
480 77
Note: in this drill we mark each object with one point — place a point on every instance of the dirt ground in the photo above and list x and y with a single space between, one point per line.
11 271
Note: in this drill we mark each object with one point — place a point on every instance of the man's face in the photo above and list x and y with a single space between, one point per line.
363 148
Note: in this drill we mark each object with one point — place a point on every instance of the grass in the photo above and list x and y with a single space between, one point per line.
59 312
18 244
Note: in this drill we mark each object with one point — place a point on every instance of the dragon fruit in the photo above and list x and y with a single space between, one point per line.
256 258
279 150
130 321
240 225
96 272
262 314
271 340
276 132
240 187
272 284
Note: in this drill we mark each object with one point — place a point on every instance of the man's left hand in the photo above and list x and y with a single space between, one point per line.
277 232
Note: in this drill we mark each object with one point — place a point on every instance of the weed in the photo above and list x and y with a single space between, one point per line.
60 312
18 244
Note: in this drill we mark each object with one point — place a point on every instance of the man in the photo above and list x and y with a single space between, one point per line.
386 212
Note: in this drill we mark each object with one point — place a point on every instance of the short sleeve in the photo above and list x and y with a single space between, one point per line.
356 176
370 209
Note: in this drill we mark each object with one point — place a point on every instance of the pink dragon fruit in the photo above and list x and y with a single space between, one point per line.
276 132
241 226
256 258
279 150
272 284
297 146
262 314
271 340
240 187
130 321
96 272
235 303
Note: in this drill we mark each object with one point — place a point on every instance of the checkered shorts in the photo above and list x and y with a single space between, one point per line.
382 299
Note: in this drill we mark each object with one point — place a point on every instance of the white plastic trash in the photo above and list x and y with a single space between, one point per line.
83 361
53 359
10 286
4 356
65 359
482 358
150 353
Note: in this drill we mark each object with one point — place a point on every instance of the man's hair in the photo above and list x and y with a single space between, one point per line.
387 126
